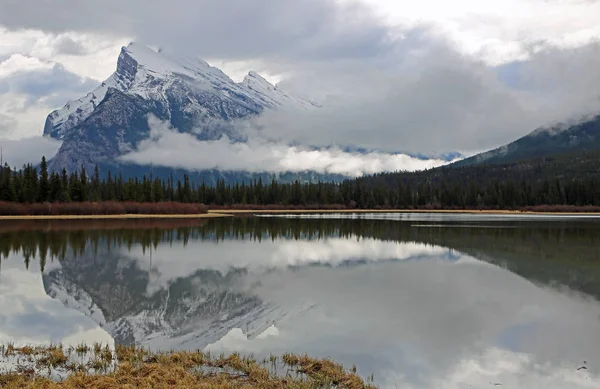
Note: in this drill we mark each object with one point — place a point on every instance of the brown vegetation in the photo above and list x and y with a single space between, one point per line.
135 367
98 224
100 208
113 208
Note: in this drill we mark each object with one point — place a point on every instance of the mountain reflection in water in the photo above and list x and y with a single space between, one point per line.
444 305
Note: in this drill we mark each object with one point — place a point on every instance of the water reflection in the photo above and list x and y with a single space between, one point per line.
29 316
446 306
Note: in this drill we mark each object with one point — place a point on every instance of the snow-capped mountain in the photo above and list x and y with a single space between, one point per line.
150 75
186 92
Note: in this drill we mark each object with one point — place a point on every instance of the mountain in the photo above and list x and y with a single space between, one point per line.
186 92
544 142
180 88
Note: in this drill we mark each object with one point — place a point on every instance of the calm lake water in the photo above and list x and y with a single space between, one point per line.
419 301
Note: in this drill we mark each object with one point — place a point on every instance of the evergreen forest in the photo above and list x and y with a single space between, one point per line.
548 182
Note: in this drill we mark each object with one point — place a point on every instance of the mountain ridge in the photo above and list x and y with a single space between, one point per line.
137 63
184 92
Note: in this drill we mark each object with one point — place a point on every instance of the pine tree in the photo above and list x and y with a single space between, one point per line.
84 185
56 189
65 196
95 186
43 193
157 191
75 187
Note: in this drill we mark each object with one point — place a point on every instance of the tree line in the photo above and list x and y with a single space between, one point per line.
465 188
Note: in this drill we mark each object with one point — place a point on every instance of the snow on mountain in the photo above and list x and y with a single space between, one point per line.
76 111
270 95
182 91
145 73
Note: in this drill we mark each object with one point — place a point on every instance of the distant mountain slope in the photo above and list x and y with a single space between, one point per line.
544 142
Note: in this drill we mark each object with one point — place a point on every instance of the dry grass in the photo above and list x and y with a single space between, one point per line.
102 208
130 367
113 217
95 224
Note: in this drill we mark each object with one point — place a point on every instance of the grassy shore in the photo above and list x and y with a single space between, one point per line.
108 217
101 367
233 212
223 212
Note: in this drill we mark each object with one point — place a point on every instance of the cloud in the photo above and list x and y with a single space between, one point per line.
565 74
499 31
6 124
26 119
167 147
28 150
37 79
393 76
85 54
20 63
275 255
30 317
438 100
290 28
31 88
67 45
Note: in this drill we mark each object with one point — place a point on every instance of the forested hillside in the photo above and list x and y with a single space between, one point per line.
568 180
581 137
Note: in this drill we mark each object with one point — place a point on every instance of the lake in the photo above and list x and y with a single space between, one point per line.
417 300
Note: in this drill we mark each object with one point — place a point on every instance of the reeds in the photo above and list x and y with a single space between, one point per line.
102 367
21 225
100 208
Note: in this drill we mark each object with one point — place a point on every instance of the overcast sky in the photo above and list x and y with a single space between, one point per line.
394 75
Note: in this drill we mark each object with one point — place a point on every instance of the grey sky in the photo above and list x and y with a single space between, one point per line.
393 76
224 29
440 101
54 81
27 150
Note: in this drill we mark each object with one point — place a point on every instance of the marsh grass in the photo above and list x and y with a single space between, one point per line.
98 366
100 208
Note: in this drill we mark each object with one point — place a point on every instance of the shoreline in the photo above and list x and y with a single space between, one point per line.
363 211
115 217
222 213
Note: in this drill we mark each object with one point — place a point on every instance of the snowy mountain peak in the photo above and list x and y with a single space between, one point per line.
163 63
253 78
183 90
156 75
